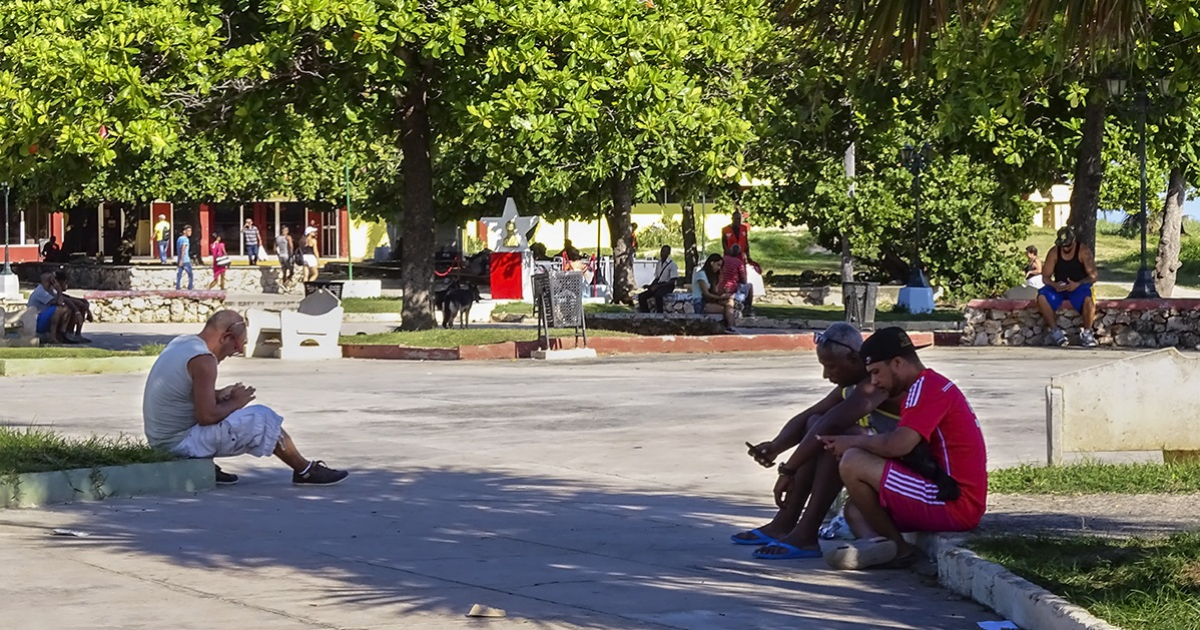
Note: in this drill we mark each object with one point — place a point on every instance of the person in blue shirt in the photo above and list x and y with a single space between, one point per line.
183 251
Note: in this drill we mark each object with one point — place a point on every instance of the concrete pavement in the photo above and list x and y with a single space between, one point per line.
590 495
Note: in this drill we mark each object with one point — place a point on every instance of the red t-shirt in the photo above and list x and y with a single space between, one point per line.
935 408
733 273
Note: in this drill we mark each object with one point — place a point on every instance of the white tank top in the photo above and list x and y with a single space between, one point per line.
168 411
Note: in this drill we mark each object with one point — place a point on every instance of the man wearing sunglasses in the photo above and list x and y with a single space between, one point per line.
186 415
854 406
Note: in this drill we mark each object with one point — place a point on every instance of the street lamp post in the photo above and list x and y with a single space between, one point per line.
7 266
916 162
1143 285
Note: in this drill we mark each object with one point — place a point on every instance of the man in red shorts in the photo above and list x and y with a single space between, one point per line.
887 496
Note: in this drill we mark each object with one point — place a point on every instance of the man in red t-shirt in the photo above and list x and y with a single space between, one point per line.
887 494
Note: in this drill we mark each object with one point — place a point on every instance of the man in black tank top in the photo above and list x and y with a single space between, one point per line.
1069 273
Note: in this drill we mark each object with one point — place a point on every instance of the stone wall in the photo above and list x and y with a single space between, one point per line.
238 279
1119 323
160 307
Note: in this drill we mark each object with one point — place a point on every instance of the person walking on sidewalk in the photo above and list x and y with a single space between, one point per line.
251 237
221 261
284 249
183 256
183 412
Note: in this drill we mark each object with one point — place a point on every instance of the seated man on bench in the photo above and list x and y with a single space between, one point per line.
665 274
186 415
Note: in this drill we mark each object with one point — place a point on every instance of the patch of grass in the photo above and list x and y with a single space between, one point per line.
788 252
372 305
443 338
1137 584
1097 478
63 353
834 313
36 449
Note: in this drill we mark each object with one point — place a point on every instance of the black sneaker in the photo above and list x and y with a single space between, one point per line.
319 475
224 478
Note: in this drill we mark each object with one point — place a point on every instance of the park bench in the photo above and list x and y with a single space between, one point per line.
309 332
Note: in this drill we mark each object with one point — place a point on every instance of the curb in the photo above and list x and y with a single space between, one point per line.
371 318
1024 603
96 484
81 365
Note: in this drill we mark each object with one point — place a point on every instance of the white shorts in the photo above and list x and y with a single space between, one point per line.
310 260
252 430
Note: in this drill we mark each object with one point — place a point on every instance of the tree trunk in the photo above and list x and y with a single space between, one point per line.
1168 264
691 252
620 218
850 163
1089 174
416 267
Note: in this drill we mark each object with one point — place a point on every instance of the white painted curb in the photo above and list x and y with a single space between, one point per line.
1026 604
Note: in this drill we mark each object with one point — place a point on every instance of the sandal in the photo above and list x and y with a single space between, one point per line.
793 552
759 539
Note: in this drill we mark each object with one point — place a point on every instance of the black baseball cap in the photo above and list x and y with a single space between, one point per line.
886 344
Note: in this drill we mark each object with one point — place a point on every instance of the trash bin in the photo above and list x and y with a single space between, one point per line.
859 299
333 287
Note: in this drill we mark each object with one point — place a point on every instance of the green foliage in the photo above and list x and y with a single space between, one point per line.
666 231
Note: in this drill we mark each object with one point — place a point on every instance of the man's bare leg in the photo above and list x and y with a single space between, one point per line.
862 472
1043 307
286 450
826 485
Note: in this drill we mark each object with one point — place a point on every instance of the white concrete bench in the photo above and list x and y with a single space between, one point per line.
310 332
20 327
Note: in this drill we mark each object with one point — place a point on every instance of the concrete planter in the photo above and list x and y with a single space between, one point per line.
96 484
103 365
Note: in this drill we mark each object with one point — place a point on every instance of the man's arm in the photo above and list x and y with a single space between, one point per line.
209 408
1088 258
793 431
1048 268
863 401
890 445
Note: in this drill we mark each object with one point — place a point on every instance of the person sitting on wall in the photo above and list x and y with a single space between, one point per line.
1033 268
54 319
78 306
1069 273
735 281
808 482
184 414
665 274
892 489
51 251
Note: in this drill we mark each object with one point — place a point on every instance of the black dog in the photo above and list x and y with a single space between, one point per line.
455 302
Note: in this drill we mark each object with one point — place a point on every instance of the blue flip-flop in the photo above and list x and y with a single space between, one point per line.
793 552
759 539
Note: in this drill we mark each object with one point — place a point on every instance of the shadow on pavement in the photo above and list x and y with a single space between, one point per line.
398 548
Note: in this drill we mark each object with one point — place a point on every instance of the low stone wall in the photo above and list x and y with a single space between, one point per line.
238 279
1119 323
154 307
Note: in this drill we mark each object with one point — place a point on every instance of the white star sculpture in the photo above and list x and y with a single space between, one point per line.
498 229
